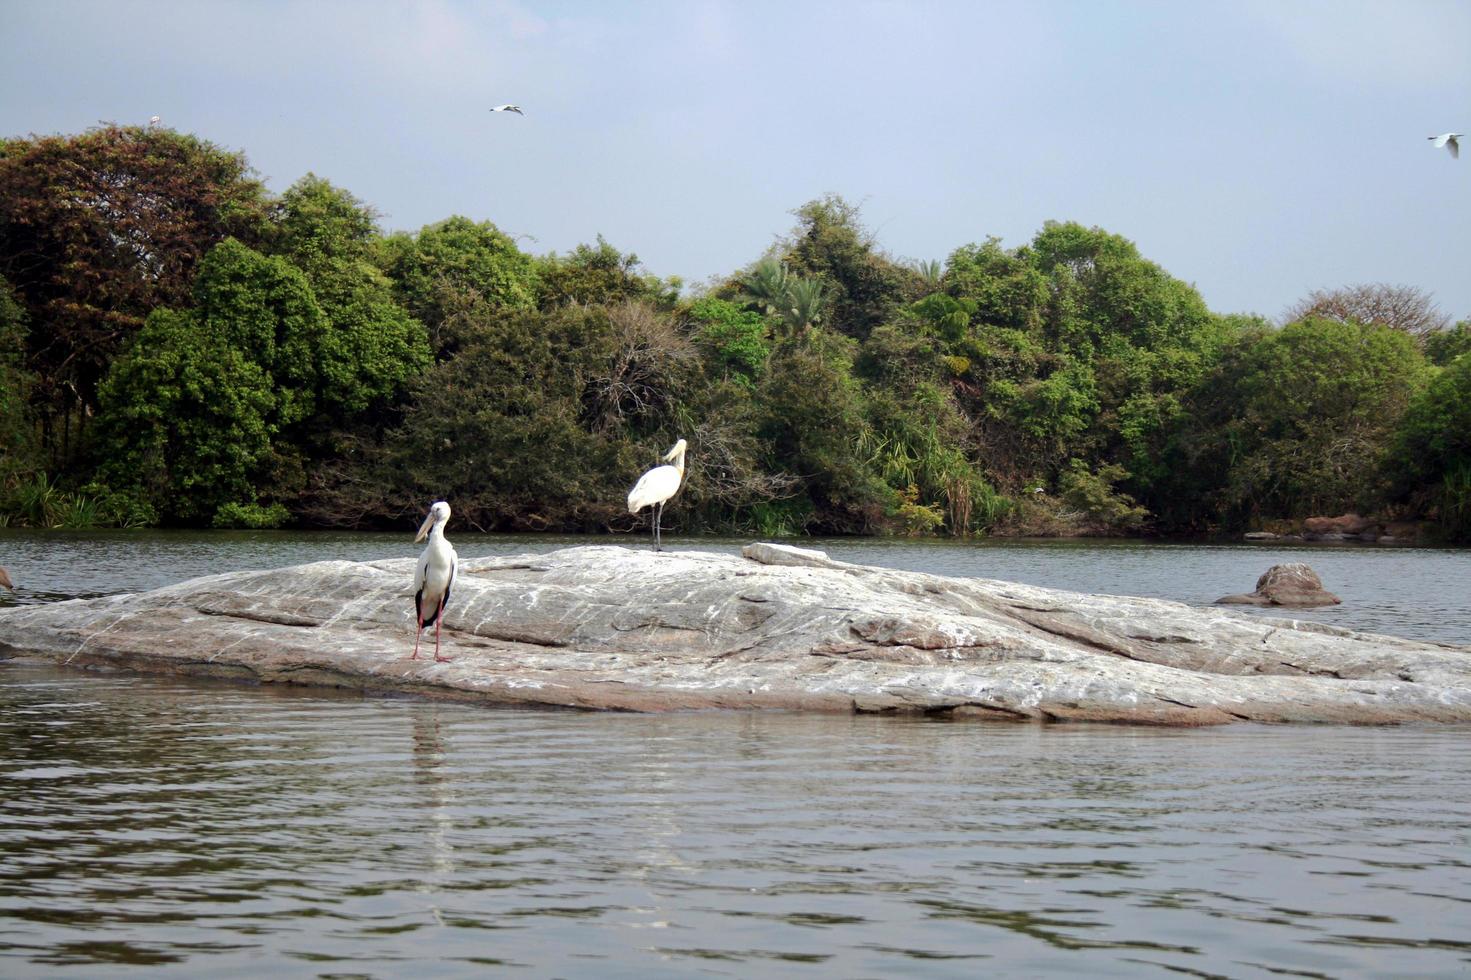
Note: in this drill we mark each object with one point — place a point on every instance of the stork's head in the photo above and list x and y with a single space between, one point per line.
438 515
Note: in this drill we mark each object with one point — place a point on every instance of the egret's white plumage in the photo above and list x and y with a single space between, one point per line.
508 108
657 486
433 576
1448 140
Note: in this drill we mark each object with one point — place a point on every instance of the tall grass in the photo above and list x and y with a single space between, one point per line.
39 501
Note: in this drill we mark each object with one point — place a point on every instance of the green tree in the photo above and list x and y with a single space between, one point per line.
196 414
601 274
805 302
1302 418
18 450
450 270
737 338
187 419
1444 346
96 231
864 287
1077 347
814 424
1008 289
318 222
1430 464
766 286
917 438
931 273
543 418
372 346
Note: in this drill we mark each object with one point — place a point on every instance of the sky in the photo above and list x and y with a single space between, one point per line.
1258 149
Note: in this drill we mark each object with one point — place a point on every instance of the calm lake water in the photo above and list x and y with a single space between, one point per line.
162 827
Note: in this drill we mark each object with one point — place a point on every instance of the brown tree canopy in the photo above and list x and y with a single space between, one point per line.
97 230
1403 308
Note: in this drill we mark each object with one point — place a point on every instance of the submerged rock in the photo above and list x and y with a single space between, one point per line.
607 627
1291 584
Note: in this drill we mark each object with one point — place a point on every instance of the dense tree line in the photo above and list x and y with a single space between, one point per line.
179 346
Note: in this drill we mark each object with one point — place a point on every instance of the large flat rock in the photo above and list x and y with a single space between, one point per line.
613 628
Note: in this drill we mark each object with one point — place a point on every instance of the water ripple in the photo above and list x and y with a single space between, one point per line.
184 827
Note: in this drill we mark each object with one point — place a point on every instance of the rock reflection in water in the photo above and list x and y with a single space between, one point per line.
195 829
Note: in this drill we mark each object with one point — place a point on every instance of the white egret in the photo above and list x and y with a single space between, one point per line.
657 486
508 108
434 576
1448 140
153 120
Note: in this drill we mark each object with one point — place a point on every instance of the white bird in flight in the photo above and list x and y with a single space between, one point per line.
434 576
508 108
154 120
1448 140
657 486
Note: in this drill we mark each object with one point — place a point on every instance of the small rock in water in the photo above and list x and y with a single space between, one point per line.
785 554
1290 584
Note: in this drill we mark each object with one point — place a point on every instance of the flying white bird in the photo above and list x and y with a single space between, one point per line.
1448 140
509 108
434 576
154 120
657 486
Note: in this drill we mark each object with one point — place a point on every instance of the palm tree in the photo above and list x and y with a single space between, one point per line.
804 302
931 271
766 285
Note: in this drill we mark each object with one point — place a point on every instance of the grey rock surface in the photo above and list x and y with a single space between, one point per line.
612 628
1289 584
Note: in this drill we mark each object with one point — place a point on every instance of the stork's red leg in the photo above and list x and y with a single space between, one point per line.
437 621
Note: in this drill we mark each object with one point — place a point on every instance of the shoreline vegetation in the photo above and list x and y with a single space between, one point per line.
180 347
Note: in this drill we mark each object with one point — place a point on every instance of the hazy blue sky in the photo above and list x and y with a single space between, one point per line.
1257 149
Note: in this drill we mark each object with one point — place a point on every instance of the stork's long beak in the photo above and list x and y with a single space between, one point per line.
424 528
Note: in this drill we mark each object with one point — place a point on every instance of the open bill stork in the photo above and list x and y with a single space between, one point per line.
657 486
434 576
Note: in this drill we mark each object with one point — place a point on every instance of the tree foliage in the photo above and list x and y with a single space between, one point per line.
1444 346
1298 421
453 271
864 287
253 359
600 274
1430 464
191 411
18 451
372 346
98 230
1398 307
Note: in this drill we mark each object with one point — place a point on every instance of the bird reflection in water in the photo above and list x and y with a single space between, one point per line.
439 796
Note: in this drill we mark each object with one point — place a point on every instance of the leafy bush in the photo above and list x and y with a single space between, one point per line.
1104 509
253 516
